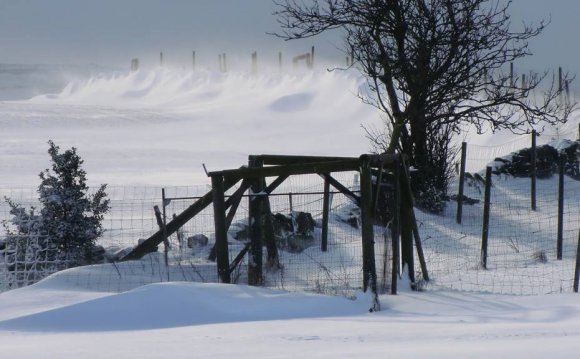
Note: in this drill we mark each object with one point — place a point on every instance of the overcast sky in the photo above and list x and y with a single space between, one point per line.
111 32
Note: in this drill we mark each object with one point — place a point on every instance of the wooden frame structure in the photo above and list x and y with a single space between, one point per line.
374 170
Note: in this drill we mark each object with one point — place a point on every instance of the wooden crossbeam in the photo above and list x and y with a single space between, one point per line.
151 243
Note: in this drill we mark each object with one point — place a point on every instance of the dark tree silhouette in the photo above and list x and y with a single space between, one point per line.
434 67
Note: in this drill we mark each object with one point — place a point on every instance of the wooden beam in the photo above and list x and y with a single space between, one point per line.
270 160
151 243
234 202
288 170
374 160
277 182
341 188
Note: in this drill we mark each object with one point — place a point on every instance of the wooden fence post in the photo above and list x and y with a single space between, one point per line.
311 64
280 61
161 59
395 238
161 226
325 214
368 237
577 269
486 209
221 235
134 64
254 62
534 169
461 182
193 60
562 163
511 74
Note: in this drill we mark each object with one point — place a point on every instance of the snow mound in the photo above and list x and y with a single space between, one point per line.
170 305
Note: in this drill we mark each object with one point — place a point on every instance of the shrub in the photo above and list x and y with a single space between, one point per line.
64 230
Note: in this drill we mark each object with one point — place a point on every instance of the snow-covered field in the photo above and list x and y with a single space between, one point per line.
156 128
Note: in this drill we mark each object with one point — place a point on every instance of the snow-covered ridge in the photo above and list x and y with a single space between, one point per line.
170 88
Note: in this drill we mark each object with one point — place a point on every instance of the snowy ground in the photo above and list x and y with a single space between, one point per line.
155 129
223 321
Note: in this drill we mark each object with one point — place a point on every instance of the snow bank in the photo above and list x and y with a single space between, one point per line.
169 305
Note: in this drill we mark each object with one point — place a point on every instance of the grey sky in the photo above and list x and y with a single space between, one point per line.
110 32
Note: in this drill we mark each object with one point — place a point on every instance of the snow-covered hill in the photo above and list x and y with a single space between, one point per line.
156 128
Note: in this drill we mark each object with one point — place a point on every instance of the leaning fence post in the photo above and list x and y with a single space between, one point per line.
486 209
577 271
560 206
461 182
534 171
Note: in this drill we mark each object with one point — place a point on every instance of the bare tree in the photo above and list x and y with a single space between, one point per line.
434 67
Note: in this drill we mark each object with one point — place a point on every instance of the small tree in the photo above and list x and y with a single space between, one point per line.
69 220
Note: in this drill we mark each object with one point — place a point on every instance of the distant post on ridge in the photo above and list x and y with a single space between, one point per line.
254 62
134 64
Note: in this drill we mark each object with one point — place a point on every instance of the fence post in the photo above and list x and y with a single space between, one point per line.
368 237
560 206
165 239
461 182
534 174
254 62
280 61
311 65
161 225
486 209
511 74
193 60
161 59
396 229
577 270
221 235
225 62
134 64
325 213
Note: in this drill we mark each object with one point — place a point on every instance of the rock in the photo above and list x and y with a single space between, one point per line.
115 254
466 200
349 215
98 254
199 240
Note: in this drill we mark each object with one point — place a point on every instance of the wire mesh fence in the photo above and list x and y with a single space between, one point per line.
303 266
522 242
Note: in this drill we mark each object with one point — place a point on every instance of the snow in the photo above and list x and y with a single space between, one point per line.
155 128
221 321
